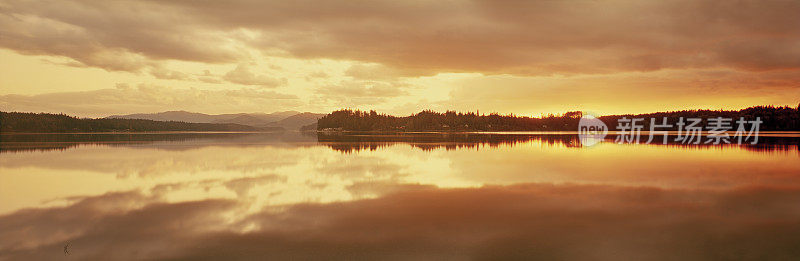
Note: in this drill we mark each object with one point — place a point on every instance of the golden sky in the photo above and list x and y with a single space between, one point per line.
96 58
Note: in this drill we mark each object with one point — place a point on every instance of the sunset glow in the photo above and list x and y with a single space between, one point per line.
399 130
397 57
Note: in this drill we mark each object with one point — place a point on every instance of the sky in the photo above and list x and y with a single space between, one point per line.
98 58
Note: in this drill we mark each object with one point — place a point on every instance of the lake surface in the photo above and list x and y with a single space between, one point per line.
394 197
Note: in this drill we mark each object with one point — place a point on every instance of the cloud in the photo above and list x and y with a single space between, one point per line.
378 72
419 38
162 73
541 37
317 75
359 92
363 89
98 33
561 55
243 75
207 79
625 93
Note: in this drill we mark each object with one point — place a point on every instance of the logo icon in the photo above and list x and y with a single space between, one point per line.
591 130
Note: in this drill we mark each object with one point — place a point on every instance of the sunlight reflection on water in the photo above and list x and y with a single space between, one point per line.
247 186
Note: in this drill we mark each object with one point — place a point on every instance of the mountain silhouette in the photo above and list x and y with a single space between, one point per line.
290 120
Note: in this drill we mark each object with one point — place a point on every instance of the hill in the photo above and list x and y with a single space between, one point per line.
183 116
295 122
195 117
290 120
45 122
245 119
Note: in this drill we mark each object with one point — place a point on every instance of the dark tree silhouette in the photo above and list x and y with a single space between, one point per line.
774 118
46 122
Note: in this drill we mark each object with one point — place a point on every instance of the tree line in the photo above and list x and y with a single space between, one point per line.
47 122
773 118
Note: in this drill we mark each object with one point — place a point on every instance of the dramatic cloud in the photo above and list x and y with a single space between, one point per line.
100 33
535 37
332 54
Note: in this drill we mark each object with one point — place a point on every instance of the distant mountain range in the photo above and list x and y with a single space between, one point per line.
289 120
26 122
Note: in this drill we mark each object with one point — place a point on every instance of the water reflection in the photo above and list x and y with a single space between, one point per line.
450 141
61 141
400 196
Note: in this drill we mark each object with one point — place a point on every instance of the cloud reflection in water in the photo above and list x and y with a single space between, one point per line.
253 197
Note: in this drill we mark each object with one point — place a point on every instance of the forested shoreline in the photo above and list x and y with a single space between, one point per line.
47 122
773 119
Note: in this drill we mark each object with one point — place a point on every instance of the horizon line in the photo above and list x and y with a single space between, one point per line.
477 111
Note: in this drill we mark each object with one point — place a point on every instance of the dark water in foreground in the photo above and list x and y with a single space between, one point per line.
394 197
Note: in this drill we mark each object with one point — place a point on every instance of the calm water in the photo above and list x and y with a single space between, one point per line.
388 197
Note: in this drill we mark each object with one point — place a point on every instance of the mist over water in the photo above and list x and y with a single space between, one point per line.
394 196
